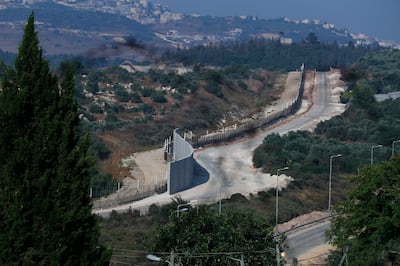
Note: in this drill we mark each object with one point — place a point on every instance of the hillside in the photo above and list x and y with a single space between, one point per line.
64 30
131 110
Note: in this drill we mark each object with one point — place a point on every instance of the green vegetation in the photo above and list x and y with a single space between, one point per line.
164 100
364 124
45 166
382 70
367 229
199 236
272 55
184 83
102 184
204 231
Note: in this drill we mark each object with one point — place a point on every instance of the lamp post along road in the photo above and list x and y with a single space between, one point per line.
394 142
278 255
330 179
277 195
372 152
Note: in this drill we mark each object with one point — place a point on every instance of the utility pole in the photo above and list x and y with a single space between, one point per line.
241 260
172 259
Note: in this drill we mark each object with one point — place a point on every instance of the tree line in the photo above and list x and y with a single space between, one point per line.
271 55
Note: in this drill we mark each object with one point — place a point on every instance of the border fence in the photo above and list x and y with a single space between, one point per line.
122 198
241 130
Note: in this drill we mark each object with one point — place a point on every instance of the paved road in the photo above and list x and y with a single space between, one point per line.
306 239
230 166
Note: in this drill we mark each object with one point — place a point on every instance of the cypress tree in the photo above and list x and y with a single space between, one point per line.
45 166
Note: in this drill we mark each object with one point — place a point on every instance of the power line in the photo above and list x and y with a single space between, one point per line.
327 253
189 254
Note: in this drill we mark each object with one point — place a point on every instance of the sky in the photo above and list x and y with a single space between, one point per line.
376 18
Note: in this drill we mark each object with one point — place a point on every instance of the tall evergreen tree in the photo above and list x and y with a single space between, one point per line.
45 210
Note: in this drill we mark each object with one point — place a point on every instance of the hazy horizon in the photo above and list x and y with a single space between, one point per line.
378 19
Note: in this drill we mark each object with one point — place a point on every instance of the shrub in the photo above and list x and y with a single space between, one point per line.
158 97
95 108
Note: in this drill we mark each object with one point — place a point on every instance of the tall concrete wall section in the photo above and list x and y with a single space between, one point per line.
180 169
181 149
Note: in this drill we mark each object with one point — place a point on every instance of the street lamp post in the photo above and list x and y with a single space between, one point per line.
278 258
372 152
277 195
330 179
394 142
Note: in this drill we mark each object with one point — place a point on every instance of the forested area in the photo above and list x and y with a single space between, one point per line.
272 55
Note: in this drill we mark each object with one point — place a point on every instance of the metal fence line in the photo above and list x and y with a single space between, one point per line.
241 130
105 202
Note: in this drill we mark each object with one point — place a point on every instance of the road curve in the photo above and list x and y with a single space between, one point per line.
230 166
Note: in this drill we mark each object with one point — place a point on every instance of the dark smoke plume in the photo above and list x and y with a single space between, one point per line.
129 47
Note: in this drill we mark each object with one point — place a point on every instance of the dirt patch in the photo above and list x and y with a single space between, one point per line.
147 168
302 219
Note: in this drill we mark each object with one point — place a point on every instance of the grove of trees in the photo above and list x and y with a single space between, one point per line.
272 55
202 236
382 70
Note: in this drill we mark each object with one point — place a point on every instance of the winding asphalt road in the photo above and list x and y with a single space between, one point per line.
230 166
